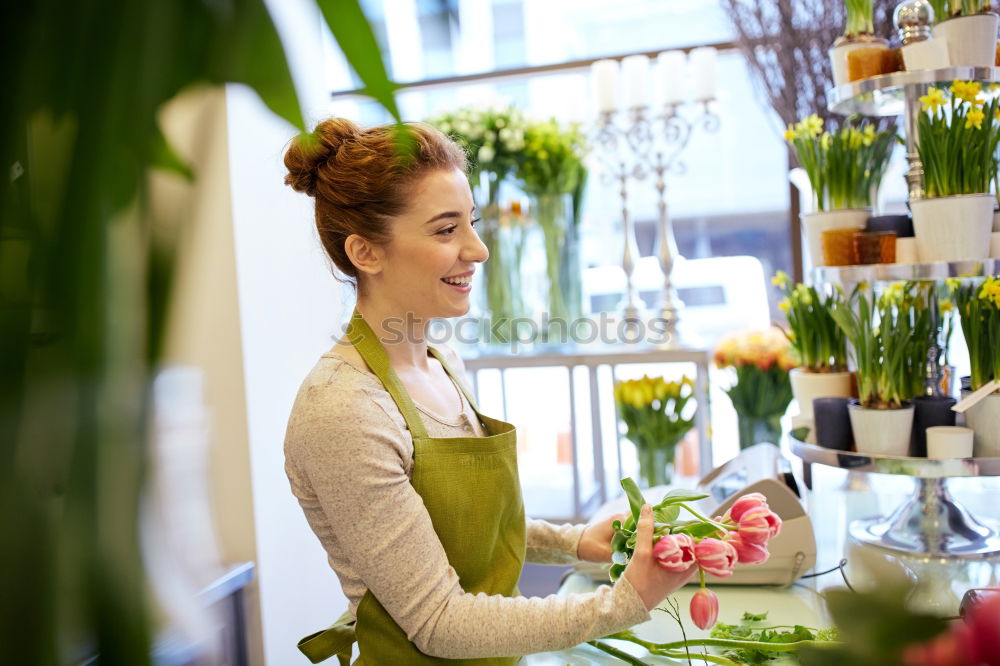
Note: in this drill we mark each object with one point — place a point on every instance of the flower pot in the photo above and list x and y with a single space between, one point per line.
972 40
995 244
845 45
758 429
902 225
984 419
814 224
807 386
996 220
929 411
833 423
928 54
906 251
884 432
955 228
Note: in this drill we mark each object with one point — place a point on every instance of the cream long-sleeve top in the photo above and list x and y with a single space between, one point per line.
349 457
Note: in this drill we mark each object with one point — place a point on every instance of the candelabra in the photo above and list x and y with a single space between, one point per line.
648 146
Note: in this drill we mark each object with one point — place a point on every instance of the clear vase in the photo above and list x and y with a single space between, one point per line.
757 429
656 465
552 212
498 303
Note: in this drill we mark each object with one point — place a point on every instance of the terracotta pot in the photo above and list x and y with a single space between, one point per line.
845 45
955 228
884 432
814 224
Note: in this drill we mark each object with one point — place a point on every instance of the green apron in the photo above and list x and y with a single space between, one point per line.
471 490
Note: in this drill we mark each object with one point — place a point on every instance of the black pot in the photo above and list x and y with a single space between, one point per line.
901 224
833 425
929 410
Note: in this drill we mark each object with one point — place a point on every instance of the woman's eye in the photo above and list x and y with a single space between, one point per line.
448 231
475 221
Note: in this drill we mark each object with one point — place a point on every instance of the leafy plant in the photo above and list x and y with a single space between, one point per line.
844 167
656 416
859 18
84 286
978 305
815 337
957 140
945 9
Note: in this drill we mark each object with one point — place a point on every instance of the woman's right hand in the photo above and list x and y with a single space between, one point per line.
650 580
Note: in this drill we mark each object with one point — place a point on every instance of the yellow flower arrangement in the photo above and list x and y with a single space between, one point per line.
816 340
978 307
657 414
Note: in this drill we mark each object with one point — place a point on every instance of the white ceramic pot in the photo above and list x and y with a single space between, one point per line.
807 386
984 419
814 224
996 220
884 432
972 40
838 56
928 54
995 244
953 228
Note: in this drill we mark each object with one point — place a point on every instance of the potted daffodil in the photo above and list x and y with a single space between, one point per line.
969 28
858 38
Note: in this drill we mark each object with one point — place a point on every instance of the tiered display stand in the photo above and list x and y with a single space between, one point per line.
931 523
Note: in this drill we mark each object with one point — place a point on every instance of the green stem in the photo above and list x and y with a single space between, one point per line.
721 643
707 520
615 652
629 659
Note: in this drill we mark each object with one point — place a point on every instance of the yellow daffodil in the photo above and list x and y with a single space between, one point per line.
933 100
946 305
854 139
785 305
780 279
815 125
974 118
967 91
868 136
791 134
953 283
825 141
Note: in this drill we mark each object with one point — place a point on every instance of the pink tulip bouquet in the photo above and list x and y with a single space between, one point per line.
714 545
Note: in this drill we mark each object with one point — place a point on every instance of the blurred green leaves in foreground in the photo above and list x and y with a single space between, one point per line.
84 287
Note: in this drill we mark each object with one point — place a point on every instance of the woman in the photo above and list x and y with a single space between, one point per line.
413 493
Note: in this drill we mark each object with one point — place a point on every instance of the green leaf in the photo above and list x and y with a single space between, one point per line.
698 529
164 157
635 499
357 41
681 495
754 617
666 514
616 571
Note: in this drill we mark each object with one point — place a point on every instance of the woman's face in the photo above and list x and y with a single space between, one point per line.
430 261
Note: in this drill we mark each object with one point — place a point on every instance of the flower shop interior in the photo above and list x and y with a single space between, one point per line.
736 246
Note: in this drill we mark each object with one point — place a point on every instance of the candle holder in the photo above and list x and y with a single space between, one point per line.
650 146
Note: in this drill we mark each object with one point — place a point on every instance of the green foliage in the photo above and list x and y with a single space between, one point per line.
815 337
768 643
84 287
845 166
859 18
978 305
957 140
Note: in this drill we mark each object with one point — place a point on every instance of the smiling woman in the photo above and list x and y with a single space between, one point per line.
411 490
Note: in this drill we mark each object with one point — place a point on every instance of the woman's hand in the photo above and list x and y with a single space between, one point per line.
595 542
650 580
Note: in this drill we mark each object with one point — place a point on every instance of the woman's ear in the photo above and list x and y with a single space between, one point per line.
366 256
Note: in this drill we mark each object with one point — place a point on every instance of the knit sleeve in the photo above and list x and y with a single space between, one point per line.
348 458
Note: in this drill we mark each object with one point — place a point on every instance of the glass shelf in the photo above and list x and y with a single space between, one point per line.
938 270
931 523
885 95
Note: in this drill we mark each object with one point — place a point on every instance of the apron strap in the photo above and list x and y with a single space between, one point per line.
458 381
367 343
337 639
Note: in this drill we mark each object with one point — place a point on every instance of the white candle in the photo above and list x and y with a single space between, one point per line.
671 76
703 71
604 75
635 72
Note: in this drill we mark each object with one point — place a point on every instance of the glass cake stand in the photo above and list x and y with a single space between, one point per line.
931 523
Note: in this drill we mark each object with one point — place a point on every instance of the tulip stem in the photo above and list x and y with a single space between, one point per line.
635 661
697 515
656 648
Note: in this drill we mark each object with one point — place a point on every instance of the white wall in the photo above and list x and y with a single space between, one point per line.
289 306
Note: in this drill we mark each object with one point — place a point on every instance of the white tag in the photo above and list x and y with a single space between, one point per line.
976 396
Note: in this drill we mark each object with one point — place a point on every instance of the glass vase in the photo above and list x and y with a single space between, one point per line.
498 301
757 429
656 465
552 213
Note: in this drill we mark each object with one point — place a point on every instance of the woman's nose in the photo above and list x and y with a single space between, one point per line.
475 250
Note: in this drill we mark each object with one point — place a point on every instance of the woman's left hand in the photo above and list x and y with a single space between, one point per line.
595 542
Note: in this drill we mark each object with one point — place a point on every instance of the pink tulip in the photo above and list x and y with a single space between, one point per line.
758 524
749 552
674 552
716 557
744 504
704 608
